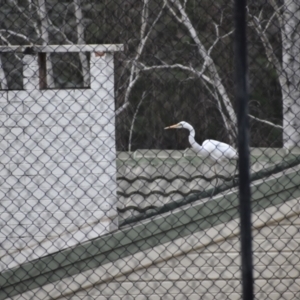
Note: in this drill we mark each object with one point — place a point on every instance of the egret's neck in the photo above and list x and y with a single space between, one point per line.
194 144
192 136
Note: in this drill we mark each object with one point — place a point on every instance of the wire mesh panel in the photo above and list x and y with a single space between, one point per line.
118 161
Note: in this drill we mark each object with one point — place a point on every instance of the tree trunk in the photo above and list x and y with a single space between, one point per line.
291 67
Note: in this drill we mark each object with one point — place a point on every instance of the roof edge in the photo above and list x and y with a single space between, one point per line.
158 230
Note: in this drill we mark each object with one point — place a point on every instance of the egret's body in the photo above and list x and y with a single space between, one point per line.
209 148
215 150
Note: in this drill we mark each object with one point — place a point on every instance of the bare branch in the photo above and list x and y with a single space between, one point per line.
67 41
269 22
145 13
172 11
266 43
174 66
216 96
184 4
134 71
269 50
133 121
122 108
278 13
13 33
5 40
34 24
166 66
145 38
265 122
185 20
132 81
218 38
154 22
211 68
260 13
64 19
28 18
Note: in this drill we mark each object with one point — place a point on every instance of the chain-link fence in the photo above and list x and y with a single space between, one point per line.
118 161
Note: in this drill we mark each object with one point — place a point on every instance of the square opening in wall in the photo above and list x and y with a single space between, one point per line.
11 71
64 70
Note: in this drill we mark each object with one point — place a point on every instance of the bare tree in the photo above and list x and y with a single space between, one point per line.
134 74
144 57
133 121
39 27
288 66
213 78
208 73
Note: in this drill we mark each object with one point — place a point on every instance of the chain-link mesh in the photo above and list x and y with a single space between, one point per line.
118 161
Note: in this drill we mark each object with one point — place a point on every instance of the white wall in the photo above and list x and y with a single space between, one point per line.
57 164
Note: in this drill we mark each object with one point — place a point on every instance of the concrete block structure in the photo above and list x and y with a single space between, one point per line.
57 157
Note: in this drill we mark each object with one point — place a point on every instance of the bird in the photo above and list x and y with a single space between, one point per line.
210 148
215 150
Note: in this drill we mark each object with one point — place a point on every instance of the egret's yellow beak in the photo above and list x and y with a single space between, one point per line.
172 126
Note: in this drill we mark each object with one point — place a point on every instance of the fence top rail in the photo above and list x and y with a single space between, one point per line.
32 49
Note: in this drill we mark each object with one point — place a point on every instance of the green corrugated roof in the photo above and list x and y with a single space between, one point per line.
148 178
162 227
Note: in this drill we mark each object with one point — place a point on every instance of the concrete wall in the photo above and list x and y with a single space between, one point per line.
57 163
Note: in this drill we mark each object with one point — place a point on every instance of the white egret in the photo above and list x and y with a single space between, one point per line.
215 150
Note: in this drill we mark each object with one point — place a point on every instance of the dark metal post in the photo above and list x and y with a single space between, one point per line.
241 79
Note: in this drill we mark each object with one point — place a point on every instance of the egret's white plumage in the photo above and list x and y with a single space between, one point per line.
209 148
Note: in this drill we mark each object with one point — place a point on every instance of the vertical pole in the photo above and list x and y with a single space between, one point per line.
80 40
42 13
241 79
3 79
42 59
